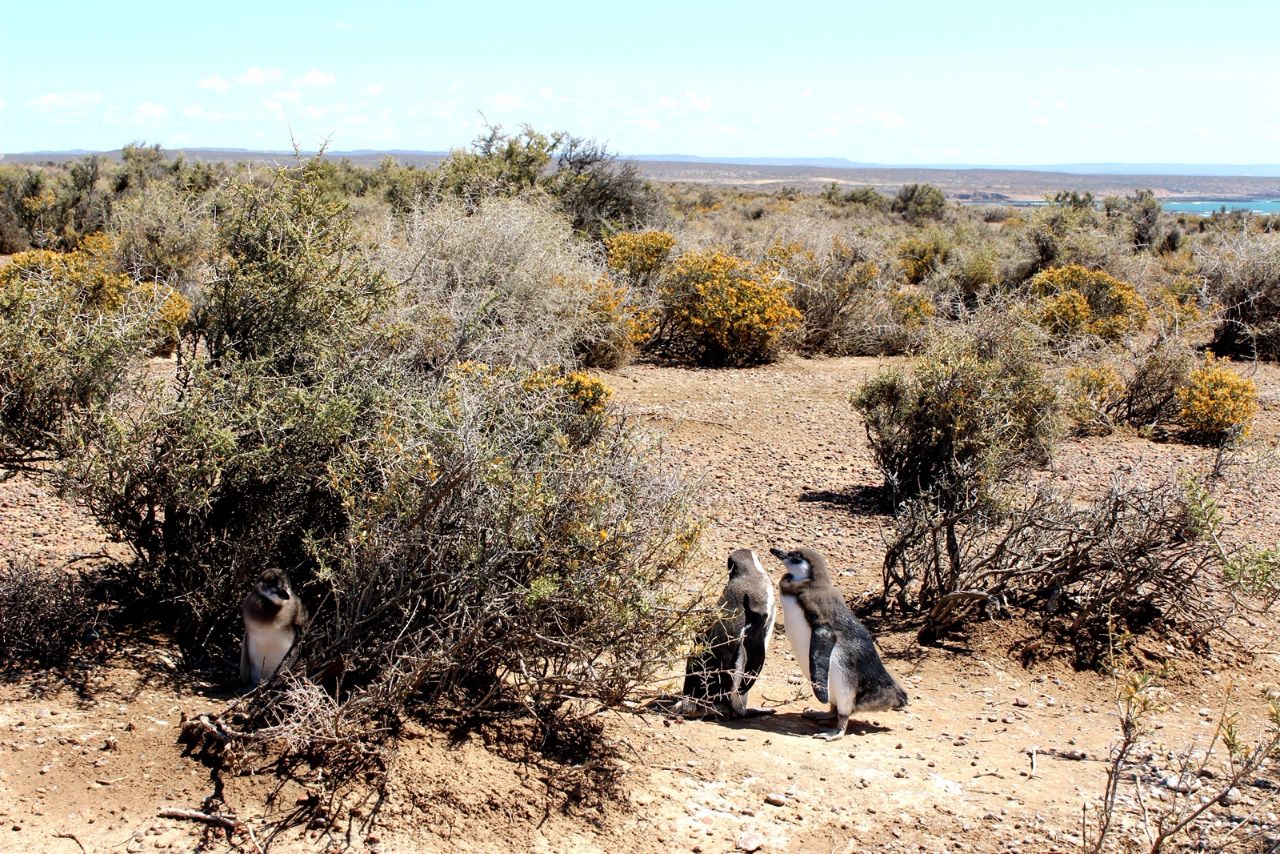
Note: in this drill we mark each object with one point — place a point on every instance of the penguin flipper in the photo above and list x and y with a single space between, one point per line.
754 641
822 642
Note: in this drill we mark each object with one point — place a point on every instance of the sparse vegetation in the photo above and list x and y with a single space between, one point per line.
380 380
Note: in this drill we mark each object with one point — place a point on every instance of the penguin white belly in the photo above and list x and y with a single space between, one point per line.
840 689
267 648
798 632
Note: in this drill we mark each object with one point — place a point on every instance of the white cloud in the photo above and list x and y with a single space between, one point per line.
62 102
150 113
699 102
272 106
3 105
342 25
887 119
503 101
1062 106
314 111
356 120
314 77
806 93
260 76
214 84
375 89
651 125
1041 121
287 95
1033 103
546 92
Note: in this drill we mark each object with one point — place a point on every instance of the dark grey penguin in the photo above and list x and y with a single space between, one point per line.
273 616
731 652
835 651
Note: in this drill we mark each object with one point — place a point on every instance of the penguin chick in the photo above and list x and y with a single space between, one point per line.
835 651
273 616
732 650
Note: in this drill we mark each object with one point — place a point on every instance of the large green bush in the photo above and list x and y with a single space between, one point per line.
469 537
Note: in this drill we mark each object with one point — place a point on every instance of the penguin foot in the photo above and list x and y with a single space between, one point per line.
756 712
834 735
819 714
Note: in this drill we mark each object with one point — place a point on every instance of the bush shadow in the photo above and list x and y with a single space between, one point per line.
862 500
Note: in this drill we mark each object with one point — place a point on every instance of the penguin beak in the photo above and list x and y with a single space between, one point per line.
778 553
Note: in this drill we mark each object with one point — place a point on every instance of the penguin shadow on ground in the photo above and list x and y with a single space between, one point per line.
795 724
861 500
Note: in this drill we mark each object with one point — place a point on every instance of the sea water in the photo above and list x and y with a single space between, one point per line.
1204 208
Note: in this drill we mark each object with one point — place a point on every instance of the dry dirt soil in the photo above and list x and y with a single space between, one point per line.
88 763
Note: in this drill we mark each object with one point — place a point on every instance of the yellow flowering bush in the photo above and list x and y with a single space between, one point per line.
1217 404
89 277
724 310
1076 300
912 308
639 256
619 323
920 256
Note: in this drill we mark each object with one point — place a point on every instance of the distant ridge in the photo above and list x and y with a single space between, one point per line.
419 157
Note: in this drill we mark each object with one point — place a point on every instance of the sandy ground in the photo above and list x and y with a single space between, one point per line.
781 461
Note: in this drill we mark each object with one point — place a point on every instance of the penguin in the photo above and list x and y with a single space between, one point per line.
835 651
273 616
732 650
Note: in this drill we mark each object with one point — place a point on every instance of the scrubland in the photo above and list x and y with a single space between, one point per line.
501 420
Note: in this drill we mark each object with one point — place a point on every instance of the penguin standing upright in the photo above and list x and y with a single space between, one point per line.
732 650
273 616
835 651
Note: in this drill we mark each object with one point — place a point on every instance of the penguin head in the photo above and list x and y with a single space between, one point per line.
742 562
802 563
274 585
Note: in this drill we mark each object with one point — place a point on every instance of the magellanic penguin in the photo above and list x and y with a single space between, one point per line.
273 616
835 651
731 652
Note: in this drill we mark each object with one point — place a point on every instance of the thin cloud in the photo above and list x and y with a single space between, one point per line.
260 76
65 102
215 84
375 89
698 102
503 101
287 95
315 78
150 113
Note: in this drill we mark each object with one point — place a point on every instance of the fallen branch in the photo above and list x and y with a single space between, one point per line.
229 823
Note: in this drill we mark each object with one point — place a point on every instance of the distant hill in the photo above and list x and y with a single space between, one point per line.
959 181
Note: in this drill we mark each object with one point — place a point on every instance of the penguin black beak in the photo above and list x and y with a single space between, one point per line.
778 553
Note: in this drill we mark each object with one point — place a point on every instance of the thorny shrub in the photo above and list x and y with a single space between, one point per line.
471 538
1242 274
974 406
1132 558
845 308
71 333
45 614
505 282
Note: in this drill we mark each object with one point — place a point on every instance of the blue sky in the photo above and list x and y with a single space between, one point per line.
995 82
